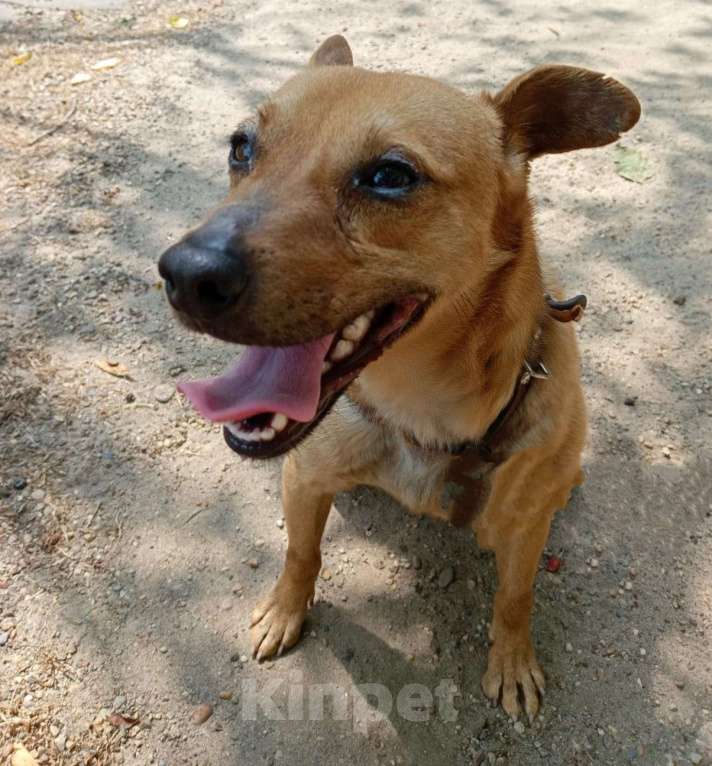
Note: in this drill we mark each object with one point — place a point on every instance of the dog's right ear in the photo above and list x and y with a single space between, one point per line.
556 108
334 51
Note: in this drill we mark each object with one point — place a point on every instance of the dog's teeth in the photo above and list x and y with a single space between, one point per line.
357 329
422 297
325 367
233 429
250 436
279 421
267 434
342 349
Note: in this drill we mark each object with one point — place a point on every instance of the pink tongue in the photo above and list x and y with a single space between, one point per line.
284 380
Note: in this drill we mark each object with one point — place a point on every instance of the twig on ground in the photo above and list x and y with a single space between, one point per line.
68 116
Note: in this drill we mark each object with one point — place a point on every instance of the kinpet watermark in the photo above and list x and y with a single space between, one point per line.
289 698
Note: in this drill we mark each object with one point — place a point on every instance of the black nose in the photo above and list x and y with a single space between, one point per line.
206 273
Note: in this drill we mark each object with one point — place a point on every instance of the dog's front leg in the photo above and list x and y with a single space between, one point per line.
334 459
515 525
277 621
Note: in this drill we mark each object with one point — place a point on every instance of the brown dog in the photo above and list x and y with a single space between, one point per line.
376 254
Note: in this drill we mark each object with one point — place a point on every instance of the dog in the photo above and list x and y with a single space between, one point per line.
376 254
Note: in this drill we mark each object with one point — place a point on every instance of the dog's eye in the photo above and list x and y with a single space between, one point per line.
241 151
389 178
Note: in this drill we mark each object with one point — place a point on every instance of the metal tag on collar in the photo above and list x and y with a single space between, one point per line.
539 372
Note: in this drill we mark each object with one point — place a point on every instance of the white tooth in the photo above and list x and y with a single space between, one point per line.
342 349
267 434
249 436
325 367
279 421
357 329
422 297
232 428
370 314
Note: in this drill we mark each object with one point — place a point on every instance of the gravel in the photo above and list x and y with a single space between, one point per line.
147 521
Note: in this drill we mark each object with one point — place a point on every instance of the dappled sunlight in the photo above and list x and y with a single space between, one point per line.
131 561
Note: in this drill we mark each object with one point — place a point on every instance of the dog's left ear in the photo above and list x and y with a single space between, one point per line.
334 51
557 108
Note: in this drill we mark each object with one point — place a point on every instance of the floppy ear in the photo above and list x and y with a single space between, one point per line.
334 51
556 108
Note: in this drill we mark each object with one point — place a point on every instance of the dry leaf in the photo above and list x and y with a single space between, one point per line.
106 64
22 757
113 368
178 22
118 720
21 58
79 78
631 165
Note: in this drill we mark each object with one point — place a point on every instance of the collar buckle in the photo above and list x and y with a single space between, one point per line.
539 371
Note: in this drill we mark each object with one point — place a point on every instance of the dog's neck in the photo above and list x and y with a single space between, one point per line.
447 379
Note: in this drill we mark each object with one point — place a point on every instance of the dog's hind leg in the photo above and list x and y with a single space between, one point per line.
331 461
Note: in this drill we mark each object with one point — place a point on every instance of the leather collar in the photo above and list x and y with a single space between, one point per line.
533 368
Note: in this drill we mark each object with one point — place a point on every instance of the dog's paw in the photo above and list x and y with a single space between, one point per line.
277 621
512 668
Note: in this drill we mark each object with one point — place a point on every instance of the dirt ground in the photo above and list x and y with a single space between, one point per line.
133 543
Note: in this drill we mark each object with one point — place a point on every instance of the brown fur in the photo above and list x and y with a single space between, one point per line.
321 255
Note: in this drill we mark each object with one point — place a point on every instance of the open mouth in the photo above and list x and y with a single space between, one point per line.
273 397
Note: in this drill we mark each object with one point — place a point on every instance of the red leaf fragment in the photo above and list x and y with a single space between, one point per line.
118 720
553 564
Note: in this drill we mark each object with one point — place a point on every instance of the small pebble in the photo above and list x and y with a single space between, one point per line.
253 563
130 398
695 758
38 495
226 695
519 727
630 401
446 577
4 638
569 647
201 714
594 563
280 523
22 757
164 393
680 300
417 563
19 484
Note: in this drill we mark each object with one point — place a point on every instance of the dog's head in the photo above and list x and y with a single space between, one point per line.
358 199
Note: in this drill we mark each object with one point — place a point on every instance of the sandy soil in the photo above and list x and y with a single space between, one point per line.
133 543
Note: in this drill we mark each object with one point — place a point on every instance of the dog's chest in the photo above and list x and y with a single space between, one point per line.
415 477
